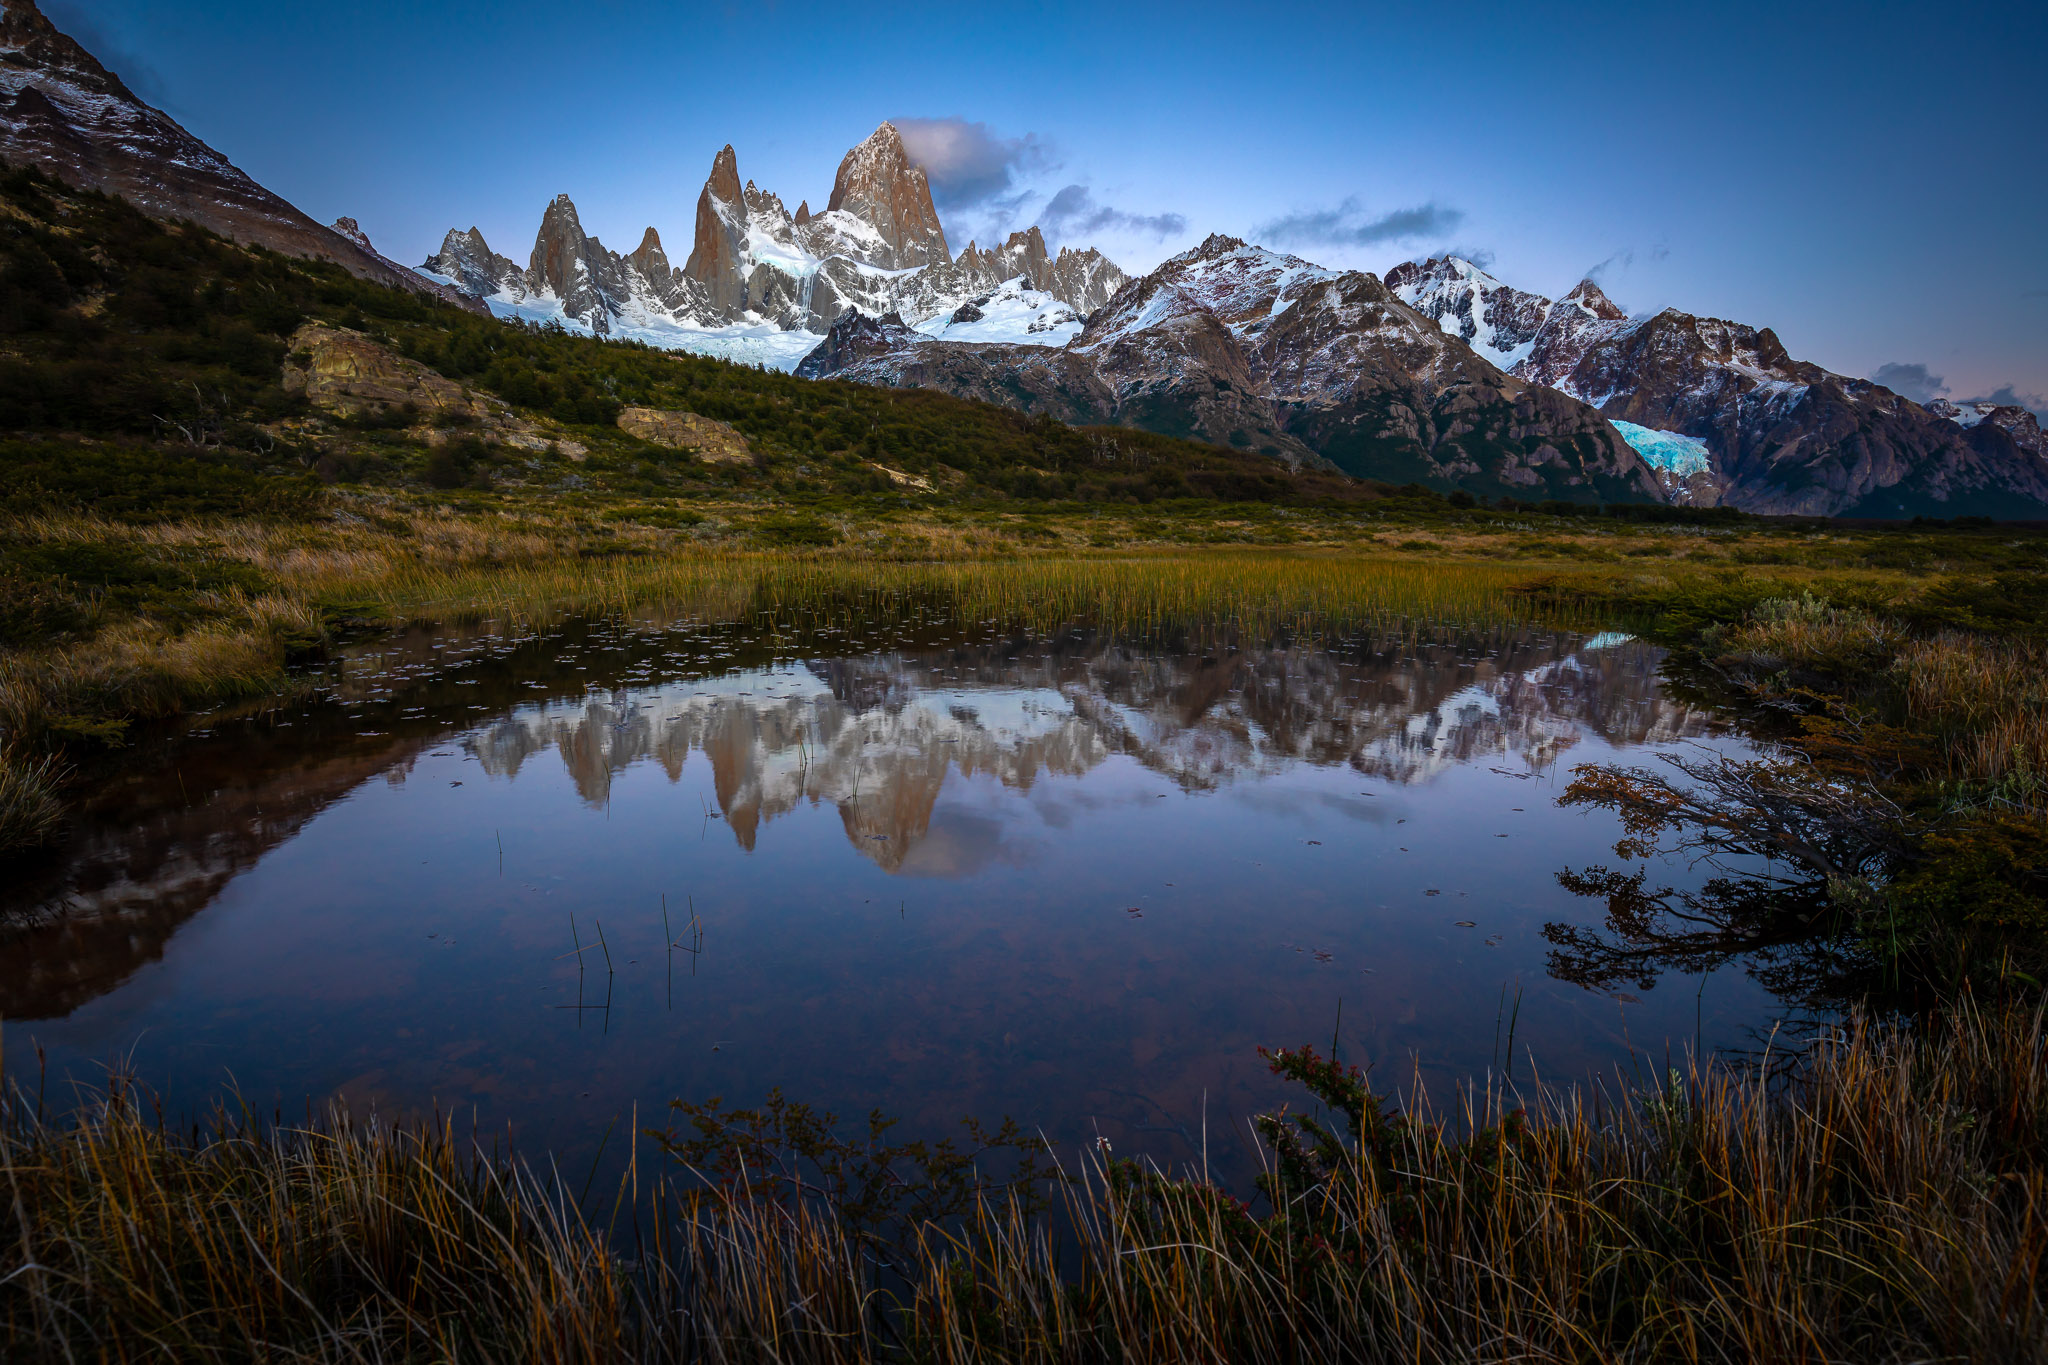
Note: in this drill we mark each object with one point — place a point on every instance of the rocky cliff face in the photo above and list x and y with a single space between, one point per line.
1497 320
1784 436
878 185
64 113
1242 346
757 269
1778 435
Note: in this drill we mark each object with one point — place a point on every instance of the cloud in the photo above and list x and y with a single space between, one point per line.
1622 259
1074 212
73 19
1911 380
966 163
2008 395
1345 225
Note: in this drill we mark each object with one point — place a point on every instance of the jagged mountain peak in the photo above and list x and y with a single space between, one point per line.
1497 320
724 181
1588 296
1214 245
650 260
351 229
878 184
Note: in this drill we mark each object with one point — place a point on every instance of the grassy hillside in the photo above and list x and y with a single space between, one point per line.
121 333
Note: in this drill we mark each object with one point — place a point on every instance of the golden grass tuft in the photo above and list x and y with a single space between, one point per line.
1988 699
1884 1198
30 812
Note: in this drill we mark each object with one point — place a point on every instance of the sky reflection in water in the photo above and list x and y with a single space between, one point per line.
1072 879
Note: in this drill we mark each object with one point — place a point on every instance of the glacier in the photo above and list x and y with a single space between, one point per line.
1669 451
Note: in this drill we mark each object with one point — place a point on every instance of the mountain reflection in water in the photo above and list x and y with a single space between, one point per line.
878 736
373 894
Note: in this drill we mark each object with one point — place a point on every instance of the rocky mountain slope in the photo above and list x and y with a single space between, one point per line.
67 115
1728 416
763 284
1241 346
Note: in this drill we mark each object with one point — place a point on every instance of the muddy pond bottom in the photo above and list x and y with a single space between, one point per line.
547 883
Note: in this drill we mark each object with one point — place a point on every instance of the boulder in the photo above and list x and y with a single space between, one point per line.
345 372
715 442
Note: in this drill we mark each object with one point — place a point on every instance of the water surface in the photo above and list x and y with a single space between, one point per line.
953 868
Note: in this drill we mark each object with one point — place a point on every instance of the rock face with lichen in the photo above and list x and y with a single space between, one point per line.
715 442
348 374
345 372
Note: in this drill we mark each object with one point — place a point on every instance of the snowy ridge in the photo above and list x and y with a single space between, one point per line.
1496 320
1013 312
764 286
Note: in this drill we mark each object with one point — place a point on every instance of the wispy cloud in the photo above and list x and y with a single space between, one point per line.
968 165
1348 225
1910 379
2010 395
1074 212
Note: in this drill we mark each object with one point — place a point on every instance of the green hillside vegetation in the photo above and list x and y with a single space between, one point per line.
121 331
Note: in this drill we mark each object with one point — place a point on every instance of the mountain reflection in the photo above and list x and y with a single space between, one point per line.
878 736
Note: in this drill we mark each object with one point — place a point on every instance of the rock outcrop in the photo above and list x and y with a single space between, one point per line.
346 373
64 113
715 442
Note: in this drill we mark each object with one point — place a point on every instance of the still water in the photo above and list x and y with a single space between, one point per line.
539 879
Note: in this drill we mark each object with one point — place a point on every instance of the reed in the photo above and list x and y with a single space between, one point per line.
1882 1197
30 812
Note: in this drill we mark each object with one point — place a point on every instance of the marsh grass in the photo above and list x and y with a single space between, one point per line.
1988 700
30 812
1879 1195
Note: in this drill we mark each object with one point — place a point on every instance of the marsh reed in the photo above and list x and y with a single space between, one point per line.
1883 1198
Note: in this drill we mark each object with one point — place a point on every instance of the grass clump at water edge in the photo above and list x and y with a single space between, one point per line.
1882 1200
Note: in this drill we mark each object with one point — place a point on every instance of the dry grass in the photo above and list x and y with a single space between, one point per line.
1988 699
30 812
1888 1201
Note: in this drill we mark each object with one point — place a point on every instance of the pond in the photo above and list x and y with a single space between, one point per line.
548 879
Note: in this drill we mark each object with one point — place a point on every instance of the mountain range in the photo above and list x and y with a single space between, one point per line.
1438 373
763 284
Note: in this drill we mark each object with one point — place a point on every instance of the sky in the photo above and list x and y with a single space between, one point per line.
1871 180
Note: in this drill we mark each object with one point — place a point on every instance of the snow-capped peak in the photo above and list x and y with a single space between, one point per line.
1495 319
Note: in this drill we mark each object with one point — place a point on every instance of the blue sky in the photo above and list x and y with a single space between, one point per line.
1870 180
